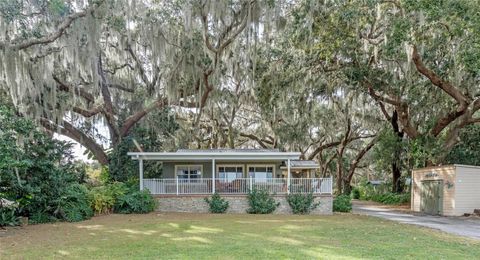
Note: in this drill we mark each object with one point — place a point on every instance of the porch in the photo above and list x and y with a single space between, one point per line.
237 186
231 171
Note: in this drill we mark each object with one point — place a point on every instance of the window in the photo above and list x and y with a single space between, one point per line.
259 172
229 173
189 172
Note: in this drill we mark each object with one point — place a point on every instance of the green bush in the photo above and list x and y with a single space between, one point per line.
40 217
355 193
37 171
342 203
391 198
8 217
74 204
103 198
217 204
135 202
302 203
261 202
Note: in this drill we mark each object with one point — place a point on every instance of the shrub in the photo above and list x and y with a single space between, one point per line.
135 202
391 198
342 203
36 171
103 198
355 193
8 217
261 202
39 217
301 203
217 204
74 204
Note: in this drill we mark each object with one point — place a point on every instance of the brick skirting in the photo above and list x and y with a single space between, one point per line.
237 204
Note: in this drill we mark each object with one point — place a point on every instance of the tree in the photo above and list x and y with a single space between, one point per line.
114 63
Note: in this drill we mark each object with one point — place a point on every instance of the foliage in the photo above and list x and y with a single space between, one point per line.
355 193
104 198
122 167
74 204
302 203
261 202
342 203
391 198
135 202
39 172
217 204
8 217
467 151
381 194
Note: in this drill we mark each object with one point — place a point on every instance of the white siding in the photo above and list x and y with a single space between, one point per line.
467 191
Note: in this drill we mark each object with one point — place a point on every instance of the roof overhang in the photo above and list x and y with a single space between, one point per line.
300 167
230 156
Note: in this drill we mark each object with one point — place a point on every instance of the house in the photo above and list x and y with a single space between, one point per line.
450 190
188 175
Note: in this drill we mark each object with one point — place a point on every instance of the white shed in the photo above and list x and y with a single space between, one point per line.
450 190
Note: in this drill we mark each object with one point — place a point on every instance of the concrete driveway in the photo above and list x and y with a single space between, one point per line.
463 226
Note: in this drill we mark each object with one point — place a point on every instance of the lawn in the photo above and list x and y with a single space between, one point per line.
205 236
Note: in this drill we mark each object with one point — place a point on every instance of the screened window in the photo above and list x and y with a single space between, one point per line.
260 172
189 172
229 173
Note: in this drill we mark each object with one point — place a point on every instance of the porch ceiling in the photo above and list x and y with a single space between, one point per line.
224 156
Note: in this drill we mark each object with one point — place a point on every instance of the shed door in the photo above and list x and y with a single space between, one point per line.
432 197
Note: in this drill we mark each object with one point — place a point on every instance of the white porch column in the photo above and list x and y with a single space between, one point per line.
213 175
140 165
288 176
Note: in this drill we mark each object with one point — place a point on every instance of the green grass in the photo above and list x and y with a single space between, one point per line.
205 236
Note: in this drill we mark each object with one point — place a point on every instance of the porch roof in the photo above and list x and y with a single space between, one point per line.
217 154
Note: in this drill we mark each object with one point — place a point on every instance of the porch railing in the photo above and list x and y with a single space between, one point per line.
238 185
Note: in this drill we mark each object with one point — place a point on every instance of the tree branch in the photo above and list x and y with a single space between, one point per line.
53 36
70 131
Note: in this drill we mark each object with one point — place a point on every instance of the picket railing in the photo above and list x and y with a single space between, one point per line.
238 185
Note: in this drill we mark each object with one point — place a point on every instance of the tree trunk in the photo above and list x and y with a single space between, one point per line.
396 170
396 174
347 187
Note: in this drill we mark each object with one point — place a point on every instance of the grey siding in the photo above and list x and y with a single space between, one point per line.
169 167
467 191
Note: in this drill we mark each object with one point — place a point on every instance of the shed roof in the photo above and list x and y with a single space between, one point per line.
302 164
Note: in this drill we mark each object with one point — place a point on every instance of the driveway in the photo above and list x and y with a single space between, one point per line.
463 226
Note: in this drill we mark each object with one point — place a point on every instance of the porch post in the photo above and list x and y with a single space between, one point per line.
140 165
288 176
213 175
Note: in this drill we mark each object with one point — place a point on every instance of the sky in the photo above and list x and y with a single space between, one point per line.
78 149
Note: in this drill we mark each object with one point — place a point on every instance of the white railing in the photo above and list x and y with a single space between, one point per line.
314 185
238 186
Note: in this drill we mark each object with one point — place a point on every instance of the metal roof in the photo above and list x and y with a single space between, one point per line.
220 154
227 150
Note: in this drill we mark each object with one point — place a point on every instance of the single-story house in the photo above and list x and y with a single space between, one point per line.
450 190
195 173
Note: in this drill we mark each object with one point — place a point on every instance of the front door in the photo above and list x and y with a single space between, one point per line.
432 197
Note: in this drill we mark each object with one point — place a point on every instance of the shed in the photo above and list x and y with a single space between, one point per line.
450 190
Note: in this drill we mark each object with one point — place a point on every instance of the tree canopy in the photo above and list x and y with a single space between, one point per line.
356 85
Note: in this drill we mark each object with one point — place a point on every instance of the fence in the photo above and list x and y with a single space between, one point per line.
238 185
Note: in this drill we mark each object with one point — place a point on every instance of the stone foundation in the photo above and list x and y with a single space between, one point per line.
237 204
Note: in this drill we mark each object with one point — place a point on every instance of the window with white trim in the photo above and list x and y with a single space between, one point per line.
229 173
189 172
259 172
